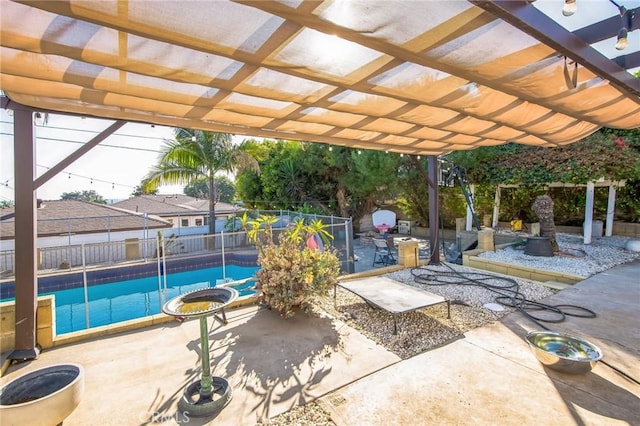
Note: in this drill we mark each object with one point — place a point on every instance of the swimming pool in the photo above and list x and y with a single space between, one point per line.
136 298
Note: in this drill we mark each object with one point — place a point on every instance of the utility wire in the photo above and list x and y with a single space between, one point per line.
95 132
99 145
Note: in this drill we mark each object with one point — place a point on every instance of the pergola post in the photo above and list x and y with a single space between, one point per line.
496 208
588 213
24 146
611 209
433 210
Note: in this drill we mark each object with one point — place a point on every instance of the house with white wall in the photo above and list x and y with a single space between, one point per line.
65 225
182 211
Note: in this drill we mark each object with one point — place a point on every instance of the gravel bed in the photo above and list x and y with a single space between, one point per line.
301 415
577 258
429 328
417 331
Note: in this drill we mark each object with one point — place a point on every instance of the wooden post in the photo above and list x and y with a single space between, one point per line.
588 213
611 209
24 151
496 208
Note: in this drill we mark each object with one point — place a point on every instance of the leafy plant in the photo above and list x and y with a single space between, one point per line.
196 154
293 269
85 195
170 243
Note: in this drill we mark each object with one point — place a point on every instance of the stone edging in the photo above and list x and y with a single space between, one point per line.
470 258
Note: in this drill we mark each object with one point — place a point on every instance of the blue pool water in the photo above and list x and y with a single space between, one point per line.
125 300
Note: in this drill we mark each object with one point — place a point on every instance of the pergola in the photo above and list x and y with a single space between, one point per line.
588 208
414 77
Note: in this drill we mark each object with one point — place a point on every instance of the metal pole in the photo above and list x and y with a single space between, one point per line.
109 238
164 268
224 269
433 210
158 249
206 382
349 250
86 291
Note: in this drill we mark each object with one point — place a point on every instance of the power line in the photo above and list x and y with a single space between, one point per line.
99 145
95 132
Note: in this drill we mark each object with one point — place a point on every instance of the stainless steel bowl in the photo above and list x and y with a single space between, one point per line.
563 352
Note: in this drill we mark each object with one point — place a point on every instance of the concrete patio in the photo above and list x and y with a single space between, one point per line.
489 377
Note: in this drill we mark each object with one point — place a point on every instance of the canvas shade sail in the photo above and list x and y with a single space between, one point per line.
417 77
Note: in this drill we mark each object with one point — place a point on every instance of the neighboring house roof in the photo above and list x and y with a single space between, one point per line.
79 217
171 205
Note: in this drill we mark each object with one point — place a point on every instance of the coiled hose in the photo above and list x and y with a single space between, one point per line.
507 292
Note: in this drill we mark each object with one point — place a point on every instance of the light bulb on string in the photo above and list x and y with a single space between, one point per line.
570 7
622 41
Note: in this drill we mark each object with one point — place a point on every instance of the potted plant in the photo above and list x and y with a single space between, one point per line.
296 265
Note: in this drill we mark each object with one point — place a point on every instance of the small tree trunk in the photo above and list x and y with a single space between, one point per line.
342 200
212 204
543 208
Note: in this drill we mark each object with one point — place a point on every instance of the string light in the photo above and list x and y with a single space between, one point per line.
91 179
626 17
622 42
570 7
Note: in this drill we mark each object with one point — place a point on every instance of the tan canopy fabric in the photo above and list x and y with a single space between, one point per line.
419 77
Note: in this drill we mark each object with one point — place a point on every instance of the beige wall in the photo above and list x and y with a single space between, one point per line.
46 328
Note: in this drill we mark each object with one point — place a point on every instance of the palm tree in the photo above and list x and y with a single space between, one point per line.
198 154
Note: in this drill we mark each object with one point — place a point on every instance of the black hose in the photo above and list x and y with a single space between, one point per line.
508 294
507 290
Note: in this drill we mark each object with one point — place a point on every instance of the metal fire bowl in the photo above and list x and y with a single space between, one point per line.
201 302
563 352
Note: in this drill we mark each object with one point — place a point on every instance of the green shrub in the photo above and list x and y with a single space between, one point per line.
292 274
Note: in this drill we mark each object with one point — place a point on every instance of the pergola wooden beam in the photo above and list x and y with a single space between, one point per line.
524 16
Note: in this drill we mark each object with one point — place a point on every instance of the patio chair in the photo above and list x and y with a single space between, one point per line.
384 252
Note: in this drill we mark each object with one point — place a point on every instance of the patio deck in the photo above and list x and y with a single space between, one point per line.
489 377
272 365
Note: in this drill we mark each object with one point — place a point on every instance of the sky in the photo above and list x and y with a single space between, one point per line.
113 168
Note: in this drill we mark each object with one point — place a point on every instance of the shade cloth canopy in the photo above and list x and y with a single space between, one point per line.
419 77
